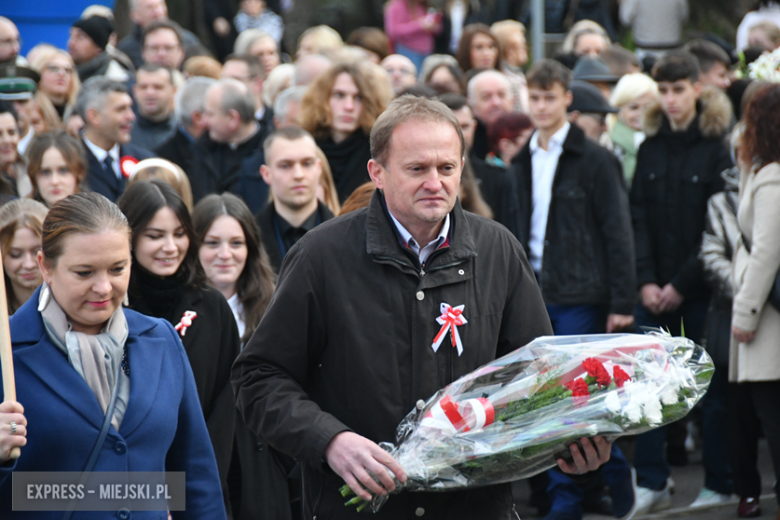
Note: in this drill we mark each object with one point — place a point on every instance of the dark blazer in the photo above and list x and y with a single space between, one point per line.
217 168
110 186
265 219
345 345
589 244
177 149
162 430
211 344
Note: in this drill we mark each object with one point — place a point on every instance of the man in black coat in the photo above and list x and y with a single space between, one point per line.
292 171
678 170
576 228
143 13
190 99
229 155
249 70
344 350
107 111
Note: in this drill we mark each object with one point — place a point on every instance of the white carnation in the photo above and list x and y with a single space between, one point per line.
613 402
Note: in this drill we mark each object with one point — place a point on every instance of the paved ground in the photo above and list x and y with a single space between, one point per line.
689 480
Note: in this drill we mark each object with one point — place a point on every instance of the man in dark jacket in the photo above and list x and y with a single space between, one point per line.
107 111
190 102
292 171
143 13
87 46
153 91
343 352
576 228
678 169
229 155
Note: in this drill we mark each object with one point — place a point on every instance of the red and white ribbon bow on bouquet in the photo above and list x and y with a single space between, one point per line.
471 414
186 321
450 319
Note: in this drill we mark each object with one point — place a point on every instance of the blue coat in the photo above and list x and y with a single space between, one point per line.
163 427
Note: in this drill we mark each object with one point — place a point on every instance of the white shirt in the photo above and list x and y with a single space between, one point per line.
101 154
24 142
543 166
238 311
426 251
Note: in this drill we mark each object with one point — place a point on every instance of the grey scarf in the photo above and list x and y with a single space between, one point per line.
97 357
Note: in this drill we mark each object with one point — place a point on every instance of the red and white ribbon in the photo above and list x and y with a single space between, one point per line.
126 165
471 414
450 319
186 321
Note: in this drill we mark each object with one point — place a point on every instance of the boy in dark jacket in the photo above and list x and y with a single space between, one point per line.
678 169
576 229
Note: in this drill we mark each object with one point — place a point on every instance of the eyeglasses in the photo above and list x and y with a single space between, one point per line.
54 69
156 49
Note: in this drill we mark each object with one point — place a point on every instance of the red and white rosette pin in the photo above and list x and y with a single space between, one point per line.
451 318
186 322
126 165
471 414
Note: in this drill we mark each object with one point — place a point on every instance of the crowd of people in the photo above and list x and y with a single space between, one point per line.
159 196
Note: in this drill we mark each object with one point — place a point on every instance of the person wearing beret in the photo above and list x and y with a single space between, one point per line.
87 46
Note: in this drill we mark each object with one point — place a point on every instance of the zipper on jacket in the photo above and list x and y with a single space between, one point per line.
402 264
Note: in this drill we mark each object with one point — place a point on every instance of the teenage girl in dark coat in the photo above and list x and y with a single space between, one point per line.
167 282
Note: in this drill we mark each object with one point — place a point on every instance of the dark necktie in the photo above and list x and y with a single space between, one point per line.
108 166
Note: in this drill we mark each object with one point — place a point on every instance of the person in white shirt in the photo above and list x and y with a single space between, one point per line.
576 228
106 108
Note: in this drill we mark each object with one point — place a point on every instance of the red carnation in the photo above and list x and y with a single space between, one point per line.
620 376
596 370
579 391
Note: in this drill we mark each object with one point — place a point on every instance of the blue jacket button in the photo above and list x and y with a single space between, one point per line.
120 447
124 514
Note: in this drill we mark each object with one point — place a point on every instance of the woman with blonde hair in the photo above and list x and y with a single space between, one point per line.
633 94
514 56
339 110
56 166
21 221
59 81
320 39
586 37
167 171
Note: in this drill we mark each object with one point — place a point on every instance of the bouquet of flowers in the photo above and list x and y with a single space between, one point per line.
766 67
514 417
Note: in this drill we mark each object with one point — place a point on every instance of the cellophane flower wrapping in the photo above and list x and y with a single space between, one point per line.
514 417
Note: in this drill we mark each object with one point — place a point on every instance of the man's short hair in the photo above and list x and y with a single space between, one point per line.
454 101
405 109
155 67
288 133
236 96
676 66
546 73
254 66
162 24
282 102
621 61
472 84
707 54
192 98
94 92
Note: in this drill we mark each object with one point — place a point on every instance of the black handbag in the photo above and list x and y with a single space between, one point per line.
774 293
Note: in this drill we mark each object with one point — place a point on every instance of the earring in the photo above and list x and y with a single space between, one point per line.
126 301
43 301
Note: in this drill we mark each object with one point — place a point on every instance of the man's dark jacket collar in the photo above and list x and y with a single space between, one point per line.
382 241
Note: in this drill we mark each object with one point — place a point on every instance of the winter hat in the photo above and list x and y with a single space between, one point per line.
98 28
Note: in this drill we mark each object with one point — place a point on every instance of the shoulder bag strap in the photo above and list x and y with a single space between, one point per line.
98 443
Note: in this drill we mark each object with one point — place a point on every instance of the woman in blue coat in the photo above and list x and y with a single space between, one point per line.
78 355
